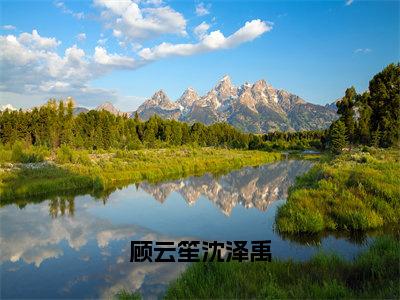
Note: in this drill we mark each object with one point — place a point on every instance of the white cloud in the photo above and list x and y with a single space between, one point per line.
202 10
114 60
349 2
31 66
8 27
362 50
201 30
212 41
131 22
34 40
81 36
153 2
33 69
55 86
61 5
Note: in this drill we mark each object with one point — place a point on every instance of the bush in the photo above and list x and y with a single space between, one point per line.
64 155
27 155
5 154
67 155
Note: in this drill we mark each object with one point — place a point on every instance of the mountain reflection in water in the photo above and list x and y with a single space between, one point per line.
250 187
79 247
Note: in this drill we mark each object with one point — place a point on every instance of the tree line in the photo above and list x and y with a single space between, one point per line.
371 118
54 124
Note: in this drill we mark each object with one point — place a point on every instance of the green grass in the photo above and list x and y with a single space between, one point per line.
72 169
125 295
354 191
373 274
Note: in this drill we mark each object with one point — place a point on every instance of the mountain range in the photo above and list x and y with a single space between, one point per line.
256 108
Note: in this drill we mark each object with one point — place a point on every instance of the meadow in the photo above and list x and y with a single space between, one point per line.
32 171
357 190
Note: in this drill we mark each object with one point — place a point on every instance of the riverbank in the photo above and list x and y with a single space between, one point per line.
373 274
358 190
78 169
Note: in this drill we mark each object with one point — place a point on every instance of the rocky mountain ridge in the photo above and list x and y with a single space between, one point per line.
257 108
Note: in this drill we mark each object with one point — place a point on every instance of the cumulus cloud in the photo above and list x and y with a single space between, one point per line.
31 65
114 60
209 42
34 40
201 30
8 27
202 10
29 62
131 22
81 37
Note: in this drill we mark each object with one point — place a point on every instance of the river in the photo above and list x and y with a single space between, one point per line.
79 246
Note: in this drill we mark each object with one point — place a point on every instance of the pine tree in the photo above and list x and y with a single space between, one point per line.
385 103
136 118
338 139
363 131
376 137
69 122
150 132
346 110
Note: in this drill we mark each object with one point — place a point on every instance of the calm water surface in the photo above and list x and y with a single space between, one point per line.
79 247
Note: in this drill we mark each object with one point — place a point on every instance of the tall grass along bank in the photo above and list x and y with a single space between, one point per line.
354 191
373 274
69 169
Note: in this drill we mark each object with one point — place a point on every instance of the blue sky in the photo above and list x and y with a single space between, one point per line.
123 51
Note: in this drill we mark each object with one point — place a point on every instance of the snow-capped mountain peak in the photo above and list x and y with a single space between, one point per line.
187 99
161 105
257 107
225 89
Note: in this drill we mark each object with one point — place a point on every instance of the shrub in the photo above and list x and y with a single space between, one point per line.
67 155
17 153
27 155
64 155
5 154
